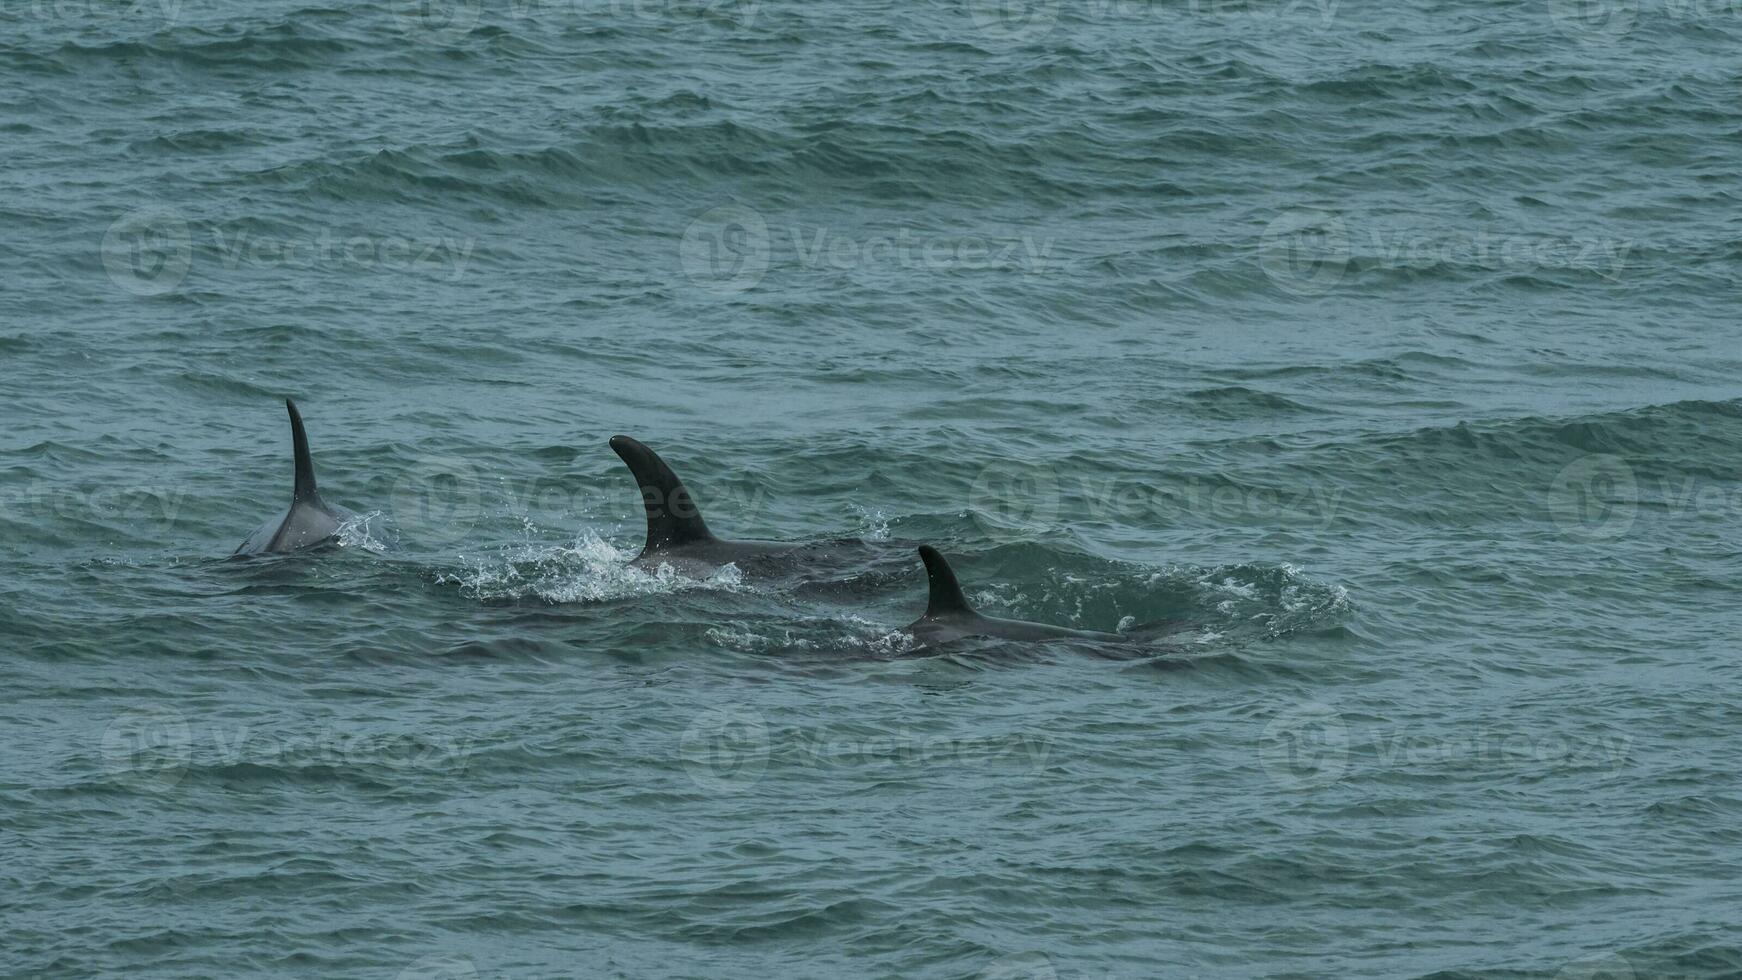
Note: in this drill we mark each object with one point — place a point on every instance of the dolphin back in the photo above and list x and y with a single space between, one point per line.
948 616
305 523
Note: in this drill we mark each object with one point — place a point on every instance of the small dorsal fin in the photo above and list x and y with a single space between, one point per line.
946 593
305 467
672 515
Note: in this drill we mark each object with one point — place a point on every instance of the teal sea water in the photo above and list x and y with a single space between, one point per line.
1390 348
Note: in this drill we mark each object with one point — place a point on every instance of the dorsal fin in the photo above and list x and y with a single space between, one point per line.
946 593
305 466
672 515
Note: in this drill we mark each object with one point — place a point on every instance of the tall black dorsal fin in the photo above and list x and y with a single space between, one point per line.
672 515
946 593
305 466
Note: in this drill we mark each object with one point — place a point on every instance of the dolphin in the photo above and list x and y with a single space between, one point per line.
948 617
310 520
676 534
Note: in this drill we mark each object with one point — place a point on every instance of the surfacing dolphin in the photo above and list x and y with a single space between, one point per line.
310 520
677 535
948 617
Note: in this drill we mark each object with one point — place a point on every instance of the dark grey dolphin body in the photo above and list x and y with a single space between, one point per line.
948 617
676 534
310 520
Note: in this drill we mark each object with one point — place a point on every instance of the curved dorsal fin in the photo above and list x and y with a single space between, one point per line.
946 593
305 466
672 515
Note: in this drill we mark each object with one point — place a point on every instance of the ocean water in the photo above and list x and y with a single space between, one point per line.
1390 349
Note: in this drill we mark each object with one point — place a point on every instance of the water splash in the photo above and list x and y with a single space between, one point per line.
372 532
873 524
1277 599
589 569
